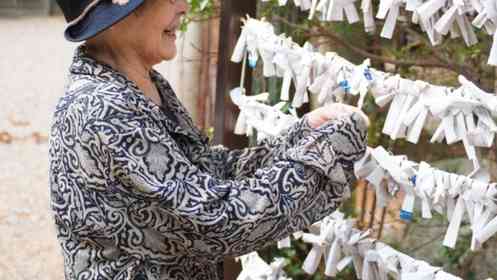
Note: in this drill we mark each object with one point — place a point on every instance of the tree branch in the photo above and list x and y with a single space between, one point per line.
452 65
439 63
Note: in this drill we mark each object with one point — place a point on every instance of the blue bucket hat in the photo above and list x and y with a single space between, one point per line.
87 18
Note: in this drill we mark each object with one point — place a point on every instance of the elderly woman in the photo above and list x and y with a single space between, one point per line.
136 190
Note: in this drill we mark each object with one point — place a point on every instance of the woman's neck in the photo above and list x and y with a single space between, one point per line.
128 62
124 60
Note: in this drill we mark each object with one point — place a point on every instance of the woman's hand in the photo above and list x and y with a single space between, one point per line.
330 112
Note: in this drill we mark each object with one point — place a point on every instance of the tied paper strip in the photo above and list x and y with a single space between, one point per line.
487 17
361 81
320 243
465 113
255 268
456 14
286 242
392 8
268 120
368 17
449 194
488 226
334 10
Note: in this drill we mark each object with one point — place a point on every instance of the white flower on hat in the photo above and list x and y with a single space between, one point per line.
120 2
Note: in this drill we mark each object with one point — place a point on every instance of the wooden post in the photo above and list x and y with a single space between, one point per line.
208 72
228 77
363 187
228 73
372 214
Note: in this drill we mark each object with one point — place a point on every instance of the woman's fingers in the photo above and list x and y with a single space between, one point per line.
347 110
364 117
331 112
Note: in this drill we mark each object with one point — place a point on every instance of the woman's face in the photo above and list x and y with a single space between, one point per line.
151 29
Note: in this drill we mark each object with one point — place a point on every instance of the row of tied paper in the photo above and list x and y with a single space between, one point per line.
437 18
465 113
449 194
337 244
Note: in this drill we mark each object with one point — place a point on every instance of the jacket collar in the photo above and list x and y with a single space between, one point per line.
85 67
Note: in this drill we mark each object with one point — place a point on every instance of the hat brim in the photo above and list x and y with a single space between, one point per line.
102 16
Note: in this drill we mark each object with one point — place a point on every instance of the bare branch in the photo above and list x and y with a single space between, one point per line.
440 62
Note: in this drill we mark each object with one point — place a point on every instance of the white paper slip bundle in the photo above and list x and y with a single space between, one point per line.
437 18
268 120
465 113
329 75
447 193
255 268
336 244
286 242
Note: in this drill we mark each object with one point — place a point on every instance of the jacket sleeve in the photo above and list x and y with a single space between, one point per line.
240 163
227 217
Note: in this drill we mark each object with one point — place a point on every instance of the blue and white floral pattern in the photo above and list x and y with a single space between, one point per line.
137 192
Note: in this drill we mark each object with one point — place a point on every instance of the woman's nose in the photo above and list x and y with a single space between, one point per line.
182 6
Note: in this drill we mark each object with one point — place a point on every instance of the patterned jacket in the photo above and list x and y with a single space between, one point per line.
137 192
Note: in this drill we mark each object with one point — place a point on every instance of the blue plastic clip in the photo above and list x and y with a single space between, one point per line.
368 75
252 63
406 216
345 85
413 179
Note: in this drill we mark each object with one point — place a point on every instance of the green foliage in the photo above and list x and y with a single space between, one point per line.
199 10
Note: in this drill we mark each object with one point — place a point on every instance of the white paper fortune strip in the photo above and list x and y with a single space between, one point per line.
286 242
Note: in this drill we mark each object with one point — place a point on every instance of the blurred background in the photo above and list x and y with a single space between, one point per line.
34 61
33 66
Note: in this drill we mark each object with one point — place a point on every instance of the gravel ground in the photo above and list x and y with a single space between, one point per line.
33 65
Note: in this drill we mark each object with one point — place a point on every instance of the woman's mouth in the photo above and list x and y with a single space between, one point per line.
170 34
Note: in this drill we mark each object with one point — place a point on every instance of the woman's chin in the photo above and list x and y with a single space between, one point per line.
169 52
